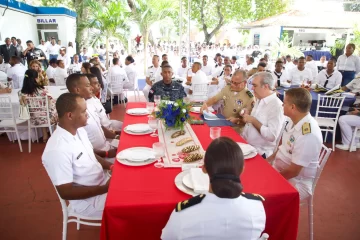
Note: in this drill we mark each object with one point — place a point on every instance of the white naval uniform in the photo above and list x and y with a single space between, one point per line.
329 80
347 124
184 72
104 120
282 77
354 86
297 77
301 145
198 78
351 63
70 158
217 218
17 73
208 70
132 76
269 112
151 73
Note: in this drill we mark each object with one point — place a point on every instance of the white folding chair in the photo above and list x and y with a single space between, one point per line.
264 236
74 217
199 92
8 121
327 114
136 90
116 88
323 157
39 107
356 134
17 81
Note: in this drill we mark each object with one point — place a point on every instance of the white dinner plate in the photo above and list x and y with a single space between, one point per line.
187 181
138 133
246 148
197 109
251 155
136 162
141 111
181 186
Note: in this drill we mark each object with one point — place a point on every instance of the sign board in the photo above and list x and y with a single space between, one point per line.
46 20
256 39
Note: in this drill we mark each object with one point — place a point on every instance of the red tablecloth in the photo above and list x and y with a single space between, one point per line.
141 199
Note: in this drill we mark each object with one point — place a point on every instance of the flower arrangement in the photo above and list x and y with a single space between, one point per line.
174 114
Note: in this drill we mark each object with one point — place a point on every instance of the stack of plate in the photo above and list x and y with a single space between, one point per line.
197 109
248 150
137 111
136 156
184 182
138 129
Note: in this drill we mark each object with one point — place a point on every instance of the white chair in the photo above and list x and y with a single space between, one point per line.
8 121
327 114
264 236
323 157
60 80
116 88
199 92
69 213
39 106
356 134
136 90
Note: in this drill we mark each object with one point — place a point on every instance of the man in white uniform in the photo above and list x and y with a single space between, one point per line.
43 48
199 77
130 72
16 72
184 71
352 119
4 67
116 70
279 74
217 84
348 64
151 72
53 49
300 74
329 77
75 67
206 68
297 158
311 65
50 71
104 141
263 125
289 64
60 73
69 160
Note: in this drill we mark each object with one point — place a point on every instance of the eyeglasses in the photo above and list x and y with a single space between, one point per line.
236 83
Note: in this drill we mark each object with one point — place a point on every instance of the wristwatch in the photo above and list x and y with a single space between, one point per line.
117 136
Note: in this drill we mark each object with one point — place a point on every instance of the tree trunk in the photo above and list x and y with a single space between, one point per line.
220 23
81 34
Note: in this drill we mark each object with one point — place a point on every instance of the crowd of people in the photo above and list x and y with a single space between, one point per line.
85 141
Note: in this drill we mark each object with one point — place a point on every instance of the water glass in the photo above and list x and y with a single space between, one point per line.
157 99
159 149
153 123
215 132
150 107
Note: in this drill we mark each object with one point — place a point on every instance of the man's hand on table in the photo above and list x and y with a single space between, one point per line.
233 120
203 108
112 153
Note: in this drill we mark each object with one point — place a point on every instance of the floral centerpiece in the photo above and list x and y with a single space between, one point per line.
173 114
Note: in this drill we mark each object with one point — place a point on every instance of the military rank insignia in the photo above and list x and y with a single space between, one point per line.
306 128
189 203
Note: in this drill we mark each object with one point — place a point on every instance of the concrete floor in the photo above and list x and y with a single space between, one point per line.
31 210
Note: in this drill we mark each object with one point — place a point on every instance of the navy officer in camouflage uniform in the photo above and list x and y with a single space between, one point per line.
167 88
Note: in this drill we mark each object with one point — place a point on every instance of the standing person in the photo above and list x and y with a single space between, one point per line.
233 215
263 125
348 64
33 53
42 79
297 158
7 50
137 40
31 88
19 48
70 51
43 47
69 159
53 49
151 72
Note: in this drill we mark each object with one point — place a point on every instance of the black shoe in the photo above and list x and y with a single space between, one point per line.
124 101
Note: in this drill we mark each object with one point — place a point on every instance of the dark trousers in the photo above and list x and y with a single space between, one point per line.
347 76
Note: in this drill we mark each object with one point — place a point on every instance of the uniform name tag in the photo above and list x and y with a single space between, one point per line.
77 158
100 110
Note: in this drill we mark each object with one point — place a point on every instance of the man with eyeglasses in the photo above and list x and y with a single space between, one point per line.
236 98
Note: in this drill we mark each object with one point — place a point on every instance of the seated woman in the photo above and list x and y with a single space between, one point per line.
31 88
42 79
225 212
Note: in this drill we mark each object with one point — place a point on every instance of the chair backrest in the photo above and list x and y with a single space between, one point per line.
280 136
323 157
117 83
329 107
38 106
62 201
200 89
17 81
6 110
60 81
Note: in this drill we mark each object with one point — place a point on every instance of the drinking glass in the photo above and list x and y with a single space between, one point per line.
157 99
159 149
153 123
150 107
215 132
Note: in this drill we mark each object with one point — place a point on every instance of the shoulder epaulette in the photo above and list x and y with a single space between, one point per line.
306 128
249 94
189 203
253 196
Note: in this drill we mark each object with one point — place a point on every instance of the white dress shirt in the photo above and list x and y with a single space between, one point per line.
17 73
131 75
354 86
297 77
184 72
269 112
3 77
70 158
116 70
198 78
302 148
66 59
351 63
44 48
53 49
152 72
217 218
4 67
313 68
75 67
50 72
60 75
208 70
283 76
330 80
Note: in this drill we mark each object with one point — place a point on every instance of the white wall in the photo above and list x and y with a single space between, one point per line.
267 35
17 24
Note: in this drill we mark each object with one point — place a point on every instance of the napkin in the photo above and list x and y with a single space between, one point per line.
138 128
210 116
200 180
138 111
246 148
136 155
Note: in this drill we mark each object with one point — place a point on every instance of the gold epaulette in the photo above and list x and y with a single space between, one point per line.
306 128
189 203
253 196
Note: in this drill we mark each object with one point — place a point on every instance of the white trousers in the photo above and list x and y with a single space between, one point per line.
347 124
304 187
91 207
